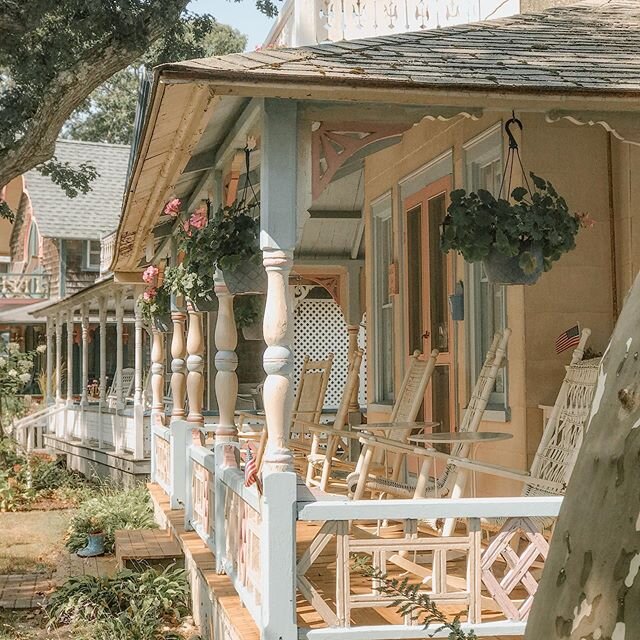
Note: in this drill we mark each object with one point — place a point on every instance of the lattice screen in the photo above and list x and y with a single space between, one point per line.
319 329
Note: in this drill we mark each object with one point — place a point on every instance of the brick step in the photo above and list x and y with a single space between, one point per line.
143 548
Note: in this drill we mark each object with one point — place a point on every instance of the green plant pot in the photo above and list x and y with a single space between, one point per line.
94 547
253 331
162 323
502 269
246 278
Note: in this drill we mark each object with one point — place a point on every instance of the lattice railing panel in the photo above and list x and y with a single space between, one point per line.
202 497
163 462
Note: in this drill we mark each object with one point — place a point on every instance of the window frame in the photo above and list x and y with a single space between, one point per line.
86 259
481 151
382 211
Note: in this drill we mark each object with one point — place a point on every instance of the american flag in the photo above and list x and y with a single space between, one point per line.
567 339
251 470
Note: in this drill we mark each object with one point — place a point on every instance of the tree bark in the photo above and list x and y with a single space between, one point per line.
71 87
590 588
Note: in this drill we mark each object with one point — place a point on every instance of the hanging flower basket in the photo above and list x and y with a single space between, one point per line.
248 277
516 238
501 269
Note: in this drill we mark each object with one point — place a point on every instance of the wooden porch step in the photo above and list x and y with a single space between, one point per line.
147 547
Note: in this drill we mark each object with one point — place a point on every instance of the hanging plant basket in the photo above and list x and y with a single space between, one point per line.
247 278
162 322
501 269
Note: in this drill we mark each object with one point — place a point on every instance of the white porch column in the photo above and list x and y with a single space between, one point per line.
138 404
85 355
49 334
102 318
195 367
277 240
58 358
226 383
118 430
178 364
70 357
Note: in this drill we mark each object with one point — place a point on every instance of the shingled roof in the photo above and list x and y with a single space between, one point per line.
592 46
88 216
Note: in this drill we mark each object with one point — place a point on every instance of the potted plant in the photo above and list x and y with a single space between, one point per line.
154 301
515 240
225 240
95 538
248 312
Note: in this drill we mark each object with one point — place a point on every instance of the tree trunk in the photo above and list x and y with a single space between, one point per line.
590 588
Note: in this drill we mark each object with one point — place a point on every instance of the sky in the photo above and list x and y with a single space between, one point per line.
242 15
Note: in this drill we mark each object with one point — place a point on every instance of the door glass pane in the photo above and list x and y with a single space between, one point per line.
414 278
439 277
441 406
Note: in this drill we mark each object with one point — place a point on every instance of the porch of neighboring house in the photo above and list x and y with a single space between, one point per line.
95 409
348 169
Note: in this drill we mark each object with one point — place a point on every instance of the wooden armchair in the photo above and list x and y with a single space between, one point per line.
443 486
405 410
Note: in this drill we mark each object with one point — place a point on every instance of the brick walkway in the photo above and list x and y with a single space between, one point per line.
28 591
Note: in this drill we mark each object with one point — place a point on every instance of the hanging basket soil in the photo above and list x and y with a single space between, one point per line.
246 278
501 269
162 322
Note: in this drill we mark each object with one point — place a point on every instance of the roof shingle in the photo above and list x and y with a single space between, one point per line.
90 215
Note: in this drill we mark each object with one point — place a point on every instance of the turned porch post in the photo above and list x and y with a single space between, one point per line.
49 335
353 331
226 338
58 358
278 222
195 367
157 378
119 301
178 364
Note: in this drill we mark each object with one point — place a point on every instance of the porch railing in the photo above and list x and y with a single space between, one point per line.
24 285
334 20
287 543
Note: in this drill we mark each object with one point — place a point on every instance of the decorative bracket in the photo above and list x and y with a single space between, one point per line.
623 126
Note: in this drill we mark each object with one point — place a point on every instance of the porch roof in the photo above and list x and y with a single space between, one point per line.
589 47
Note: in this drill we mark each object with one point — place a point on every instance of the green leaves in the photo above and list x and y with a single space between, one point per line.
477 223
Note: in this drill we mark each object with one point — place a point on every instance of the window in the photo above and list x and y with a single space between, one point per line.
383 301
486 302
92 255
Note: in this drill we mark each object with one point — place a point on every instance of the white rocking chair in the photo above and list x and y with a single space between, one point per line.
128 377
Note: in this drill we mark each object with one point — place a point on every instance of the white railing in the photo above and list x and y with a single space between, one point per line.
334 20
254 539
107 246
28 432
24 285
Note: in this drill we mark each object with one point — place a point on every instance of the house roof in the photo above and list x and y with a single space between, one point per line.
90 215
592 46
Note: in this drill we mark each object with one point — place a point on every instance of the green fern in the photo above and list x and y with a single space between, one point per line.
409 600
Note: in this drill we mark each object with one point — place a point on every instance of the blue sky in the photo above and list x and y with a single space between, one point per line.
242 15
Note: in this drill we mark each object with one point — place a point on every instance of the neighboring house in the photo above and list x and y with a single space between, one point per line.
52 250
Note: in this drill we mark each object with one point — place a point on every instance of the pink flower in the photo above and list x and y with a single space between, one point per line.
186 228
150 274
149 294
172 208
585 220
198 218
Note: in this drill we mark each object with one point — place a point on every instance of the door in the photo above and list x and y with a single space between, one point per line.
429 282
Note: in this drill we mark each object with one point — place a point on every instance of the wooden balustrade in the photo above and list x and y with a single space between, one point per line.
157 377
70 357
58 358
49 364
195 367
102 319
178 363
84 327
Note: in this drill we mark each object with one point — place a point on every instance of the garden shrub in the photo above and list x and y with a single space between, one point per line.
129 605
114 509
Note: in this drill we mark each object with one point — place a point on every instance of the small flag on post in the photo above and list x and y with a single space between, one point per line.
567 339
251 471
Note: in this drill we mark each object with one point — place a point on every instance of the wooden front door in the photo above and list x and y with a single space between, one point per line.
429 282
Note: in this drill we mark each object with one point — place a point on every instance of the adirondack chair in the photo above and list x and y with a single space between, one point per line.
128 378
307 408
326 439
405 410
560 444
425 487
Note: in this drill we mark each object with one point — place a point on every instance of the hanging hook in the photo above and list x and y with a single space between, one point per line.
513 143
